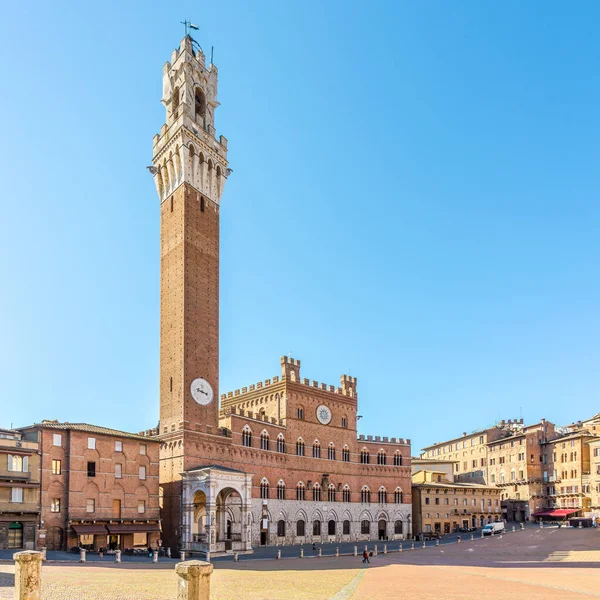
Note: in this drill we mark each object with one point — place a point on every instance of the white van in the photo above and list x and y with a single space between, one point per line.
493 528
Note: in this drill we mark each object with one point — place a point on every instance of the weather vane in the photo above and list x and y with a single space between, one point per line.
188 25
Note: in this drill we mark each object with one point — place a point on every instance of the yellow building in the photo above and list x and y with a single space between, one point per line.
444 506
594 478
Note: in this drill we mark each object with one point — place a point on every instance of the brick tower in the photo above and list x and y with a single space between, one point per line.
190 169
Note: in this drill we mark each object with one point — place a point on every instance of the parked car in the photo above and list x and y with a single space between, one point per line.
431 535
467 529
493 528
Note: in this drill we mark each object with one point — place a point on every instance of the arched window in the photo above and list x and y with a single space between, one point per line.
346 454
261 413
346 528
281 443
200 104
331 528
364 456
331 493
345 422
300 528
316 527
264 489
300 491
365 527
365 494
331 451
175 101
381 458
246 436
300 413
281 528
264 441
300 447
281 490
316 492
397 459
346 494
397 526
316 449
398 499
382 495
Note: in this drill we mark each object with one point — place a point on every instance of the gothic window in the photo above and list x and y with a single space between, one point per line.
316 449
331 528
346 528
316 492
331 451
381 458
281 443
397 459
300 447
300 491
264 489
365 527
346 454
246 437
264 441
365 494
281 490
200 105
316 527
281 528
300 528
364 456
345 422
175 101
382 495
300 413
346 494
398 527
331 493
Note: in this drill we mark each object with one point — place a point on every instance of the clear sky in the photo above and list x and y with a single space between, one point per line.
414 199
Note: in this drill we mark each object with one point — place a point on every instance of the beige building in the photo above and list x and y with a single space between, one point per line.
594 478
19 491
443 506
521 465
469 452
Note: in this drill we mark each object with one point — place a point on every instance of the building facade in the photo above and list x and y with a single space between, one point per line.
443 506
280 461
99 486
594 510
19 491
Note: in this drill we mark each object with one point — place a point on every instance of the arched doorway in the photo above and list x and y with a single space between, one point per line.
382 528
228 518
331 528
15 535
54 538
199 531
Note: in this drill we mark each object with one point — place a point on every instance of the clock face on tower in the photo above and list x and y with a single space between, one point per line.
202 391
323 414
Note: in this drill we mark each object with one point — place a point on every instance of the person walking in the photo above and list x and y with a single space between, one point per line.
366 557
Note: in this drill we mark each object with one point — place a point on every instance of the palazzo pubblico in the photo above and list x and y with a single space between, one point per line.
279 461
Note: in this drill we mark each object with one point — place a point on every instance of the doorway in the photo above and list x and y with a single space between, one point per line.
15 535
382 528
263 538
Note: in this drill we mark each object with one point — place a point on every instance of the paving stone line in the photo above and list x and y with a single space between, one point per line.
348 590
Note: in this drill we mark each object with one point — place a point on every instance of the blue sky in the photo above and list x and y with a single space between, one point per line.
414 199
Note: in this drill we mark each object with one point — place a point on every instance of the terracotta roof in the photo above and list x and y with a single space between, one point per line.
218 467
89 429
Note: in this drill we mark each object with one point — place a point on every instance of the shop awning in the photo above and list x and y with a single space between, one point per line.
556 512
90 529
120 528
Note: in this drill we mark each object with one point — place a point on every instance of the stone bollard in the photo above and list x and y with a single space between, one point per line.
44 551
28 575
337 551
472 536
513 529
458 540
385 548
301 552
355 551
182 555
168 552
278 554
375 550
424 544
155 556
81 554
580 526
366 549
194 580
118 556
207 557
412 547
482 534
522 526
400 549
437 542
320 552
236 557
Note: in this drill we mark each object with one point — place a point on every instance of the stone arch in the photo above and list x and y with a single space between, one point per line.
301 515
365 515
316 515
382 514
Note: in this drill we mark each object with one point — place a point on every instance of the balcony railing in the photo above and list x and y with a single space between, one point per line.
20 475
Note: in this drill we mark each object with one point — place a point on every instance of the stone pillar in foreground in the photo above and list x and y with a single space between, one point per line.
193 580
28 575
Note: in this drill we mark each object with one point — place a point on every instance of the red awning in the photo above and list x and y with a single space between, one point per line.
119 528
90 529
556 512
